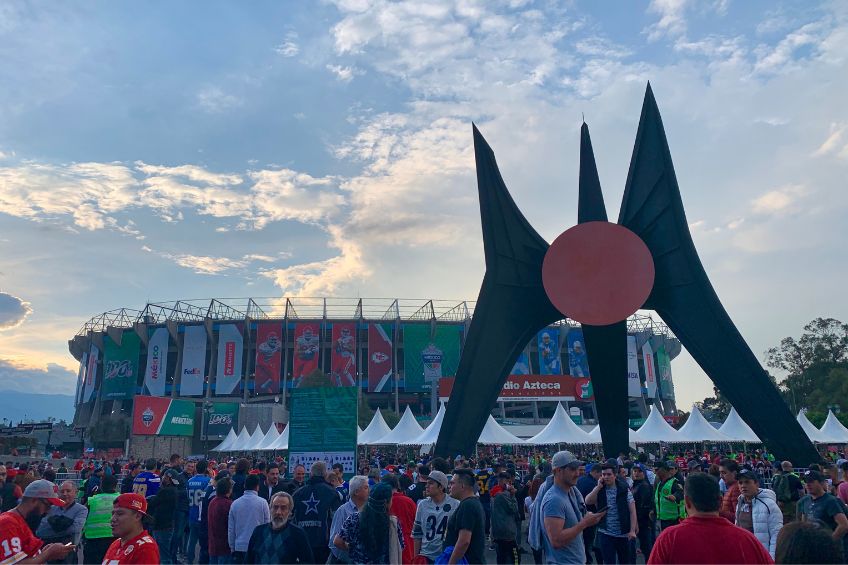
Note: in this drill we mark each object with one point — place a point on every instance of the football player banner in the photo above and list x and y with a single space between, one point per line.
90 374
634 386
380 358
157 362
162 416
650 370
429 358
230 349
307 348
323 427
549 358
664 374
193 370
120 366
522 364
269 357
343 355
222 417
578 362
80 380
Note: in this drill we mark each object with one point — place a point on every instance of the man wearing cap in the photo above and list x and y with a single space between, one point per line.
17 542
10 493
133 543
431 517
564 513
668 494
825 508
643 495
757 510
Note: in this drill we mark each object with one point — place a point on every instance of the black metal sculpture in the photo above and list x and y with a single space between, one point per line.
513 303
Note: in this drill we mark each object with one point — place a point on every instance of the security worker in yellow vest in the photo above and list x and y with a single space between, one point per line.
668 495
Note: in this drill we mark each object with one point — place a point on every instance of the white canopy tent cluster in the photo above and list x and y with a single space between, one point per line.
560 430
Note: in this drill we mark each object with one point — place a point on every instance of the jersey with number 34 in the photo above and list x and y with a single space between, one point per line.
431 522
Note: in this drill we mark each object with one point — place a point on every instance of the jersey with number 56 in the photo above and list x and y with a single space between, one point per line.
431 522
196 488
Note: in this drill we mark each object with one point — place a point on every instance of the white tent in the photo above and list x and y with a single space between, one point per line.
431 433
697 429
833 430
656 429
375 430
494 434
406 430
281 442
595 435
561 429
225 445
255 439
241 441
812 432
269 438
736 429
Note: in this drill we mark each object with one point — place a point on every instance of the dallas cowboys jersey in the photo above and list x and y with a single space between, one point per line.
431 522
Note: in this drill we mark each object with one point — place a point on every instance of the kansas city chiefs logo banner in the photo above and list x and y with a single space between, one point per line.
379 358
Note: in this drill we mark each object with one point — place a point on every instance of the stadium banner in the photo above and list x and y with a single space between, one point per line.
380 358
157 363
533 387
343 356
549 357
222 417
230 351
90 374
650 370
578 362
522 364
664 374
307 348
429 357
634 385
162 416
323 427
193 370
80 380
269 357
120 366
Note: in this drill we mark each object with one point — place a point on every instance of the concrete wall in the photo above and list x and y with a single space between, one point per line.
159 447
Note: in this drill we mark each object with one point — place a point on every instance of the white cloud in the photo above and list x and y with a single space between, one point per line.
344 74
49 379
205 265
672 20
13 311
834 142
213 100
289 47
778 200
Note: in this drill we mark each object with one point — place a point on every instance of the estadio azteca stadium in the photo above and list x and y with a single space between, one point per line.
191 369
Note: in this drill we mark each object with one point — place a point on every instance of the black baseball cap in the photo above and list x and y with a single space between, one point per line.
810 476
747 475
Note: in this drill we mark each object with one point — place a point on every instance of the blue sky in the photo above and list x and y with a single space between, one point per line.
160 151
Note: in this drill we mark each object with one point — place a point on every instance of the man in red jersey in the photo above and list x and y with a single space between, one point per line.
133 543
18 545
706 537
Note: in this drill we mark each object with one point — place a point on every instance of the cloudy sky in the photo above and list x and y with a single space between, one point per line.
157 151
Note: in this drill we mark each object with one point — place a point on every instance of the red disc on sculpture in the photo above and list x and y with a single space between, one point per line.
598 273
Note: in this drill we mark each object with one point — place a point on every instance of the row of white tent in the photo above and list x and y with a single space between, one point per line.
560 430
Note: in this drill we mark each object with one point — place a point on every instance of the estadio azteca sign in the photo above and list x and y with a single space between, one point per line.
534 387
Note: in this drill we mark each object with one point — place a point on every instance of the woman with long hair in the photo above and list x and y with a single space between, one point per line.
371 535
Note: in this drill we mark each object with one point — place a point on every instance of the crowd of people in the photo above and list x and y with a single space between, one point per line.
712 507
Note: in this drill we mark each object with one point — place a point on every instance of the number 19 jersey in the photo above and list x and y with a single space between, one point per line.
431 522
17 541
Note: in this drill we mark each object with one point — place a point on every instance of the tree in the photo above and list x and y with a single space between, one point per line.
714 407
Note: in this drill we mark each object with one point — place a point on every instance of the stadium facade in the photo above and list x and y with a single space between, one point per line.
158 371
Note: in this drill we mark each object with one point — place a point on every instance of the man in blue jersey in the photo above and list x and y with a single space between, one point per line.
147 482
196 492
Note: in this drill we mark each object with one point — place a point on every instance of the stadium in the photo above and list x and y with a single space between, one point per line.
150 375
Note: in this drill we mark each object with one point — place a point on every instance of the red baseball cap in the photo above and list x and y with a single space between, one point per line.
132 501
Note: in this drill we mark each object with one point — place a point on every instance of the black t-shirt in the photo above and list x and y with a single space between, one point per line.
469 516
824 508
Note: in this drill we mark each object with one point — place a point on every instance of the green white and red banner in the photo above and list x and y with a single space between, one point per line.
162 416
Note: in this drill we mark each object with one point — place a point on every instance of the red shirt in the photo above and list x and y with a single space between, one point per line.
219 513
17 542
694 541
404 509
140 549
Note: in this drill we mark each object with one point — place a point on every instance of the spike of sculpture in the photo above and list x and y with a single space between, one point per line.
599 273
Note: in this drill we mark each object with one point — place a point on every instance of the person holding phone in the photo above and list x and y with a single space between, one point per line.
18 545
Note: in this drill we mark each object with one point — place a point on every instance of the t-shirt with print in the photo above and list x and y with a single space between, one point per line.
745 517
613 524
17 542
469 516
141 549
569 506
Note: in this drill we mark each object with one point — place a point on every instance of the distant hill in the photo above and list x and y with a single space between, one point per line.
17 406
